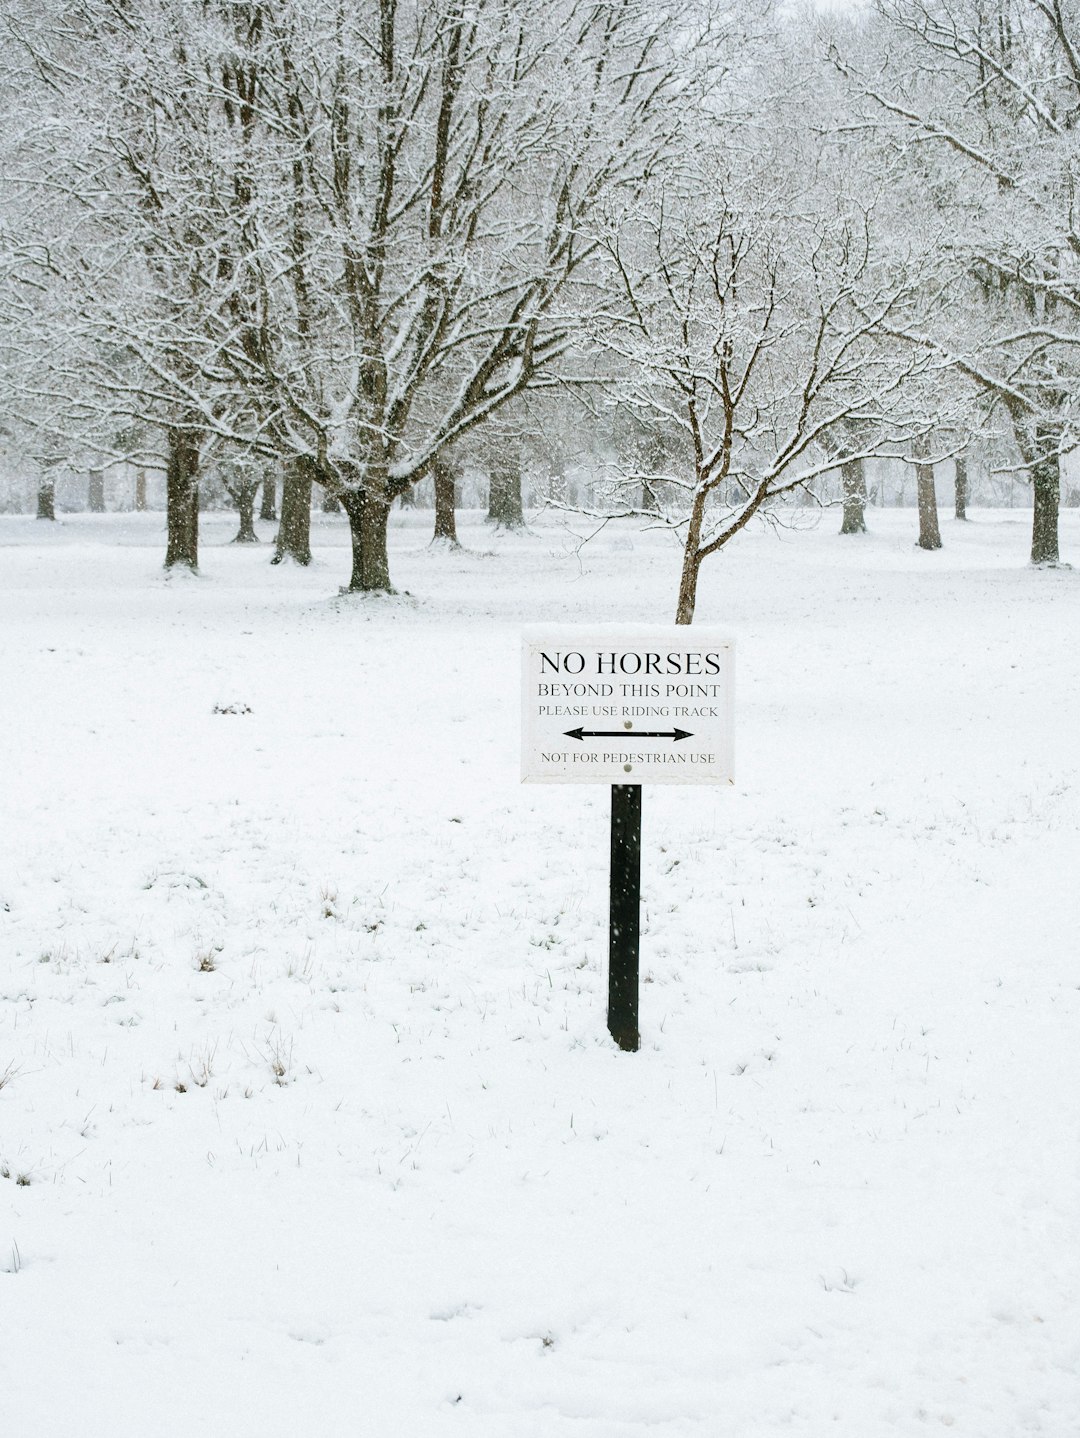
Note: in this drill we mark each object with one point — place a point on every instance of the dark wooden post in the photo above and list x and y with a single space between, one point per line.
625 915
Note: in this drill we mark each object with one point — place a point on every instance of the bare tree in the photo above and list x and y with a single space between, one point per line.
758 295
988 90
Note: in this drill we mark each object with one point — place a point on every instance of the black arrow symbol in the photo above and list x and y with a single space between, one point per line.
675 734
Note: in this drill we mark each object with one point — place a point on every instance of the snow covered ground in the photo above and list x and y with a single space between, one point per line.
309 1123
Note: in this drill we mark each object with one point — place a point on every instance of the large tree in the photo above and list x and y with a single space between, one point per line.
452 156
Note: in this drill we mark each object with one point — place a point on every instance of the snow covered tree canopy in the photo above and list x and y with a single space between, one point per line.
344 237
342 240
983 98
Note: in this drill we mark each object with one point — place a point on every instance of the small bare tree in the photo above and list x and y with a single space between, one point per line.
756 300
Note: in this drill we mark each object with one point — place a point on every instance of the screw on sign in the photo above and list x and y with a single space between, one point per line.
626 706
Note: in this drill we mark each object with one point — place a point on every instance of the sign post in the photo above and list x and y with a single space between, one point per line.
625 915
626 707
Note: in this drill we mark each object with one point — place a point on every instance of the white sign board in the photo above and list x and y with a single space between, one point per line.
619 704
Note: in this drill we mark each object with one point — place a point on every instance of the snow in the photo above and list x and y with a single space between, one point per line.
309 1117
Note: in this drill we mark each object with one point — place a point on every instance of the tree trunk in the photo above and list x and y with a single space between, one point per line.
691 565
684 610
294 531
330 502
46 497
1046 484
140 491
96 493
182 500
961 486
244 499
368 510
853 484
505 508
929 533
268 508
445 504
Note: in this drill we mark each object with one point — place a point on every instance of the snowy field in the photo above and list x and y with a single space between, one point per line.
309 1123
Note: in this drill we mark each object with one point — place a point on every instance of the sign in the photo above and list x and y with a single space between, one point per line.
621 704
